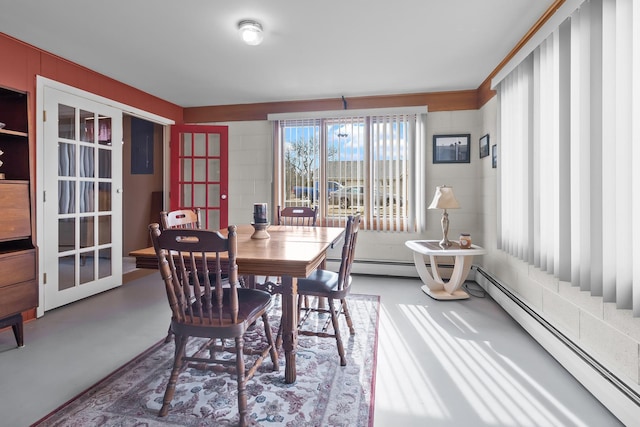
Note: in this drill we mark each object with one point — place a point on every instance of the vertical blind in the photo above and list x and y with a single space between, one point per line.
367 163
569 182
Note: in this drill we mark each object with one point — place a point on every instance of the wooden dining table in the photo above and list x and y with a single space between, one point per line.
290 252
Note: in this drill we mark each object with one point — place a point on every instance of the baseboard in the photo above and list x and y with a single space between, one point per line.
374 267
620 398
390 268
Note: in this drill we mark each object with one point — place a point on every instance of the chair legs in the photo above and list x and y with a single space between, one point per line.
242 384
181 344
335 317
336 328
242 374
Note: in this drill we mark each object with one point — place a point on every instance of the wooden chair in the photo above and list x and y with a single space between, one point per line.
182 218
334 287
206 309
297 215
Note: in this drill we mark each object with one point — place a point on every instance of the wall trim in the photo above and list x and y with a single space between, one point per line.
621 398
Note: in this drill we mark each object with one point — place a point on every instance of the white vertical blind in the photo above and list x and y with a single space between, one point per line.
569 193
378 160
580 148
515 159
635 153
608 151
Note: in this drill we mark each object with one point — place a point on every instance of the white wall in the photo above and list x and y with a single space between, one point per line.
250 181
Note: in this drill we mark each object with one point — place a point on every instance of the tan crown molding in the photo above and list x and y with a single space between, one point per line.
436 101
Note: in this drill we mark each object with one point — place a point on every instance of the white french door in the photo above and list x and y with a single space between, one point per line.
82 208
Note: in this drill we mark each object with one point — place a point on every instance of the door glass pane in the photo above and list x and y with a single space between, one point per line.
187 198
200 145
186 169
186 144
104 263
199 194
66 234
213 219
214 195
200 170
87 203
104 161
87 162
66 272
104 131
66 122
86 232
214 170
214 145
87 126
66 159
104 196
66 197
87 265
104 229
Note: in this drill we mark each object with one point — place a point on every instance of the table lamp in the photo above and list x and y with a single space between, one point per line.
444 199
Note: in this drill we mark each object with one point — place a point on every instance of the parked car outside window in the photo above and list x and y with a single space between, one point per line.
346 197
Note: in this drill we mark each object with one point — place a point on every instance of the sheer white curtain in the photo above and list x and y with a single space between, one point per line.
570 151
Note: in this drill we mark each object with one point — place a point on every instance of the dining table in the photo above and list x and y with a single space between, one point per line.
290 252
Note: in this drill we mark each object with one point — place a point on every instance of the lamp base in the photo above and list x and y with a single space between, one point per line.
445 243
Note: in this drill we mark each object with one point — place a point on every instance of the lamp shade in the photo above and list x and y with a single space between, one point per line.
444 199
250 32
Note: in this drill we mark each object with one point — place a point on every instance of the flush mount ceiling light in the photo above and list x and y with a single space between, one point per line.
250 32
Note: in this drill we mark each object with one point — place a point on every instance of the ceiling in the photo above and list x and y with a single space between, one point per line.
189 52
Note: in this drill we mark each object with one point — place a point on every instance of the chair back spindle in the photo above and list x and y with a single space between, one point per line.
348 250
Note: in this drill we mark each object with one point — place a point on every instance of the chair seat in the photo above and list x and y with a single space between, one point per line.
251 303
322 283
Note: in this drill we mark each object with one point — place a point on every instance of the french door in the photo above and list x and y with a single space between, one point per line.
82 209
199 172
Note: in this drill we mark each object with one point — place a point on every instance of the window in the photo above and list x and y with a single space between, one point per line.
353 163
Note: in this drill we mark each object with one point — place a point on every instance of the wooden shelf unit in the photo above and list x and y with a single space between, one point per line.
18 253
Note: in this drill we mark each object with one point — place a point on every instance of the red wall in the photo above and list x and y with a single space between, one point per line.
22 62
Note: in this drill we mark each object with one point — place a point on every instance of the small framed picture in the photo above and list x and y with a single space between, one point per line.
494 156
451 148
484 146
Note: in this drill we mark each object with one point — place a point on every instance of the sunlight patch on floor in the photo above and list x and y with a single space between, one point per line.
482 377
419 396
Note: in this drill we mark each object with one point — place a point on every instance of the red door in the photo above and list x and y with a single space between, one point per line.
199 172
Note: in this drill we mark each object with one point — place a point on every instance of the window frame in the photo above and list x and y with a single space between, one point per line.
408 215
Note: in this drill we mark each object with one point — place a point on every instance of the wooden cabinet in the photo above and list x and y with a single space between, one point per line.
18 254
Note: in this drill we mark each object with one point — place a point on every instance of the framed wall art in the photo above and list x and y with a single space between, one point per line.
452 148
484 146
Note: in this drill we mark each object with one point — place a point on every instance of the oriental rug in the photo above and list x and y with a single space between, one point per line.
324 394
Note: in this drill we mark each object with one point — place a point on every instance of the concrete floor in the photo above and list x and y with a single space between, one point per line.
440 363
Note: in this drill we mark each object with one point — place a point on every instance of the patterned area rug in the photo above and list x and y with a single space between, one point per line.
324 394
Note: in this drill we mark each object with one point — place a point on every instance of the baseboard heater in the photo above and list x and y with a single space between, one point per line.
388 268
605 373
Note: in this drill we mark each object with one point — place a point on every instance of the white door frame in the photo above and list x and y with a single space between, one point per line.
41 83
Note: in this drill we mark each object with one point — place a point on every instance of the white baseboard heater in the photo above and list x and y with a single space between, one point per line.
619 397
378 268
